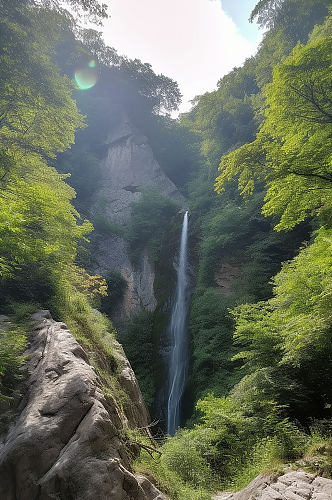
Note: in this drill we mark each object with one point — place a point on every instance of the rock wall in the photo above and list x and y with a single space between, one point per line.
129 166
295 485
226 276
66 443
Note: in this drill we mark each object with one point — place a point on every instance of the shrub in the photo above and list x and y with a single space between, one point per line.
139 339
117 285
105 225
264 457
181 470
185 455
12 345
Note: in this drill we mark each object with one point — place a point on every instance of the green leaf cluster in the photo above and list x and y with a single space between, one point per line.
12 345
291 153
140 339
39 228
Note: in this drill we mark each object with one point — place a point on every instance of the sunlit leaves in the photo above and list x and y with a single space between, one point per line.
38 119
297 321
12 344
37 222
304 295
247 163
292 150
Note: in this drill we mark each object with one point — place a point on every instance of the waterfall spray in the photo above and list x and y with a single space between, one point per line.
179 355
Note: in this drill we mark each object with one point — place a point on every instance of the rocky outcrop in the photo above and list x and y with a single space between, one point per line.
226 276
66 443
295 485
129 166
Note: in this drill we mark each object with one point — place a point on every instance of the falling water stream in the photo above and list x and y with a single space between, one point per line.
179 354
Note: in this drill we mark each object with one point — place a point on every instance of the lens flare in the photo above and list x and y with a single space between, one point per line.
86 77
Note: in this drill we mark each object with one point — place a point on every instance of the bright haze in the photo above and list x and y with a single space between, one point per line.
195 42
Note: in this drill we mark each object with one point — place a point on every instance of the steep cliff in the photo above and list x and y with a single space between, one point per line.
129 166
68 440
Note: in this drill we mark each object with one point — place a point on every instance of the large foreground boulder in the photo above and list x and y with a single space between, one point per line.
67 442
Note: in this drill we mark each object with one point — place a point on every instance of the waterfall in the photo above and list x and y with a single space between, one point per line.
177 328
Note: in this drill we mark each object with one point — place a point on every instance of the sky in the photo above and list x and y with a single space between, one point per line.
195 42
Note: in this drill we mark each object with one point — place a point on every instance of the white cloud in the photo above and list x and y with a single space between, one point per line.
192 41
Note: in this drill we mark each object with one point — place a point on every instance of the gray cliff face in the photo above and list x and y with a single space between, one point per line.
129 166
66 443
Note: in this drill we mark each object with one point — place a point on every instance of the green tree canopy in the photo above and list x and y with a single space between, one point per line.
292 150
294 18
39 227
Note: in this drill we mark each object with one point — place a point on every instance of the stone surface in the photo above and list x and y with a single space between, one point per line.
129 166
226 276
295 485
66 443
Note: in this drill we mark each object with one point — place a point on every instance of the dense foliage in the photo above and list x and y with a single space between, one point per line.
38 120
140 340
292 150
238 249
13 343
